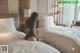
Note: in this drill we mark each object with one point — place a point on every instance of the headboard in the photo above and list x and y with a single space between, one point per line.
15 16
8 15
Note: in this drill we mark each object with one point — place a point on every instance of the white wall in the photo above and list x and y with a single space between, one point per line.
33 5
68 13
43 7
50 6
13 6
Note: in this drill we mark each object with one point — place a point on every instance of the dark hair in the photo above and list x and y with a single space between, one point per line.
34 15
31 20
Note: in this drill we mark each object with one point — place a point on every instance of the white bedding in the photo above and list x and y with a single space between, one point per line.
15 40
23 46
17 44
65 39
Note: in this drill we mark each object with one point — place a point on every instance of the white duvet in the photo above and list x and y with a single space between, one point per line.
17 44
64 31
23 46
66 39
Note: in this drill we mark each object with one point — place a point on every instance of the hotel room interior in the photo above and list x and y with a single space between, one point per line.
58 28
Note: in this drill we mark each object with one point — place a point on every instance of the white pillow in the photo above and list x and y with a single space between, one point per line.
7 25
46 21
9 37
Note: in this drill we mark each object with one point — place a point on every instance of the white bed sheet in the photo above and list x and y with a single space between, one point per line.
23 46
65 39
17 44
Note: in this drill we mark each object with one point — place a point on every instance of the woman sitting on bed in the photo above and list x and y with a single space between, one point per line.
30 23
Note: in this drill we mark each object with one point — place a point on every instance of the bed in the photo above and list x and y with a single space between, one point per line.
12 41
67 40
17 44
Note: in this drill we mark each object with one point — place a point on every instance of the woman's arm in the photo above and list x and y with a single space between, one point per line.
36 23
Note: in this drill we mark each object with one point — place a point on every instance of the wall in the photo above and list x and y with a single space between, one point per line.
43 7
33 5
13 6
3 6
10 7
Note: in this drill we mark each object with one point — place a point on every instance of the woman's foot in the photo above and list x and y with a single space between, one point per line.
32 39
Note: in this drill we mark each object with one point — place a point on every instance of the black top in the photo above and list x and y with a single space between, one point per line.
30 22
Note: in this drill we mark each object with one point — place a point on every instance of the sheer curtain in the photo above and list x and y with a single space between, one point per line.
78 11
68 13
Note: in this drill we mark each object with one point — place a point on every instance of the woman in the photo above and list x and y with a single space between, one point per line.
30 25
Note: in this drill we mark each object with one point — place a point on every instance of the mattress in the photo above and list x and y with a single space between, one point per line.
65 39
20 45
23 46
